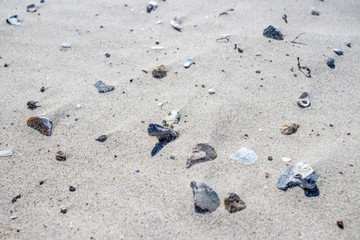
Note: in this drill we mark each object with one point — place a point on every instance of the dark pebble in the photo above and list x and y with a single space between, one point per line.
348 134
72 189
32 105
107 55
257 71
270 158
340 224
42 89
101 138
63 210
16 198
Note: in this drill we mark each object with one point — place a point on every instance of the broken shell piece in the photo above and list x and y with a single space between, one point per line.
233 203
31 8
157 48
245 156
187 63
205 199
159 72
285 159
175 23
165 135
65 46
43 125
5 153
289 129
338 51
314 12
304 100
302 175
103 88
60 156
348 44
13 21
330 62
211 91
272 32
152 6
172 118
202 152
32 105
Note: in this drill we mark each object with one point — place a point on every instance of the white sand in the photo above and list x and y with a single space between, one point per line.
157 202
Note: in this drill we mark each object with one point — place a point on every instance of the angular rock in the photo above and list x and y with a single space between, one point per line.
289 129
187 63
13 21
330 62
202 152
159 72
205 199
272 32
65 46
152 6
301 175
304 100
348 44
60 156
338 51
101 138
43 125
31 8
245 156
233 203
32 105
165 135
103 88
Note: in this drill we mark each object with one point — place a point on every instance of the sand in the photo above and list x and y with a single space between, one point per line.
111 200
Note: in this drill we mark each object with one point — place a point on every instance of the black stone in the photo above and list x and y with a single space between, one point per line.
272 32
72 189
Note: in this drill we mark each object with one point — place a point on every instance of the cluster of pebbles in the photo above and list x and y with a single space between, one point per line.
206 200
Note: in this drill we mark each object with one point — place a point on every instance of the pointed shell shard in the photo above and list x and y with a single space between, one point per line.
338 51
43 125
245 156
13 20
272 32
176 24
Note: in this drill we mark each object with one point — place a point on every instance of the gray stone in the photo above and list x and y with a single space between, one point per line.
338 51
245 156
301 175
330 62
205 199
13 21
272 32
202 152
165 135
103 88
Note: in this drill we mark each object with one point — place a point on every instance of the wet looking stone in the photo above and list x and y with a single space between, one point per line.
43 125
205 199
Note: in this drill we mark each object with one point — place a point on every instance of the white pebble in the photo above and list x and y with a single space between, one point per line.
211 91
78 106
285 159
160 104
5 153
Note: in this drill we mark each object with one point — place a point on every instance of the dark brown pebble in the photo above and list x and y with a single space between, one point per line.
340 224
60 156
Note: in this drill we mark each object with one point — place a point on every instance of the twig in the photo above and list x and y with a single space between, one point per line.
285 18
304 67
293 41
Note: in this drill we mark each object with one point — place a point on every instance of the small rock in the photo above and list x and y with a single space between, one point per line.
202 152
176 24
240 50
257 71
72 189
101 138
314 12
348 44
13 21
338 51
172 157
272 32
172 118
103 88
160 104
301 175
289 129
42 89
304 100
245 156
211 91
270 158
32 105
60 156
187 63
107 55
16 198
78 106
65 46
330 62
205 199
43 125
285 159
63 210
152 6
31 8
233 203
13 217
340 224
159 72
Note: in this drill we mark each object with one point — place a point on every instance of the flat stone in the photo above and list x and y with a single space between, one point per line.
289 129
301 175
202 152
233 203
159 72
330 62
13 20
165 135
103 88
272 32
42 124
205 199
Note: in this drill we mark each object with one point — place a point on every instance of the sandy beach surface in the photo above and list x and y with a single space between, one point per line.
112 199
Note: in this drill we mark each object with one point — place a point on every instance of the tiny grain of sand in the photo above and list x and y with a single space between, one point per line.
114 201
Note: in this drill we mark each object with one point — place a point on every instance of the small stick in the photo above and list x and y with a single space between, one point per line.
303 67
293 41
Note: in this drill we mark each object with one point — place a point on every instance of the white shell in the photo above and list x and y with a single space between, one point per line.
175 23
157 48
5 153
245 156
285 159
211 91
172 118
187 63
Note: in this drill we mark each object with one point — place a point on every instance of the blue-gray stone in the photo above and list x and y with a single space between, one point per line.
103 88
330 62
205 199
272 32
